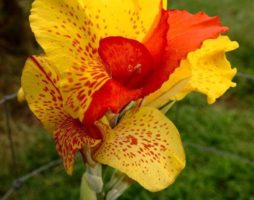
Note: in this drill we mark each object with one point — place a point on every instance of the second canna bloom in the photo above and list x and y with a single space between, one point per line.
100 57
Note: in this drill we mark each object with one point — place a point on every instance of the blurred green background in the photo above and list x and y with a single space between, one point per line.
219 139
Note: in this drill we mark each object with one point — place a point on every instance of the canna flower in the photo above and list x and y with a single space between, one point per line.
99 56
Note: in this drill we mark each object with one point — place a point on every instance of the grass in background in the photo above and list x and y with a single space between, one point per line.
207 175
227 125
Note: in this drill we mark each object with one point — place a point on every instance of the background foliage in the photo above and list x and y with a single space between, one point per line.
227 125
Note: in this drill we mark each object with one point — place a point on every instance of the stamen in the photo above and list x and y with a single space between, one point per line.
136 68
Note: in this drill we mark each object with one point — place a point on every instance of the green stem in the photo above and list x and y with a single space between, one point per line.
86 193
92 184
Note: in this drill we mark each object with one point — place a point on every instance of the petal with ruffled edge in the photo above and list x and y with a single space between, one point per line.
187 32
39 83
146 146
183 26
68 31
205 70
211 71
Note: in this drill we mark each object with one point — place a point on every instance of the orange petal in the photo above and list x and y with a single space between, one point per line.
187 32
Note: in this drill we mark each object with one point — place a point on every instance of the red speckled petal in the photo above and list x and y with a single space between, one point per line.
70 137
79 84
69 30
39 82
146 146
64 32
127 61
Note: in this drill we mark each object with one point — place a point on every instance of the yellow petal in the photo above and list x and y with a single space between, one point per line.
171 88
63 31
40 85
41 92
205 70
211 71
165 4
70 31
146 146
127 18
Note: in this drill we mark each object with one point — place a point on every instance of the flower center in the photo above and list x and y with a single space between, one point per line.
127 61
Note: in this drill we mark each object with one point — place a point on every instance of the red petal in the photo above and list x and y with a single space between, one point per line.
127 61
186 33
157 42
112 96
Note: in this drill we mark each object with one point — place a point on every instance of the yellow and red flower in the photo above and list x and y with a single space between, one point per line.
100 56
